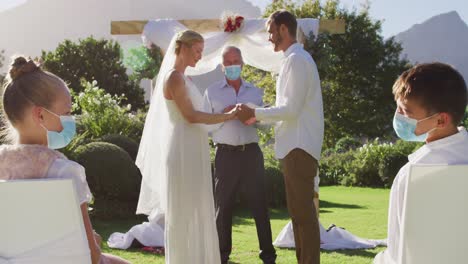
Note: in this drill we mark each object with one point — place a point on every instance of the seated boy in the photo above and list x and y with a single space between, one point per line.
431 100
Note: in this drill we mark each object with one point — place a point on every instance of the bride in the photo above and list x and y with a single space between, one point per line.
174 158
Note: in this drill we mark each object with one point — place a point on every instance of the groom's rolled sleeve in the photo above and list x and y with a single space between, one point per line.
295 82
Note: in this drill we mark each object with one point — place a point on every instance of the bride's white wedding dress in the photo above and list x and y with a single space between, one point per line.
177 185
176 189
190 217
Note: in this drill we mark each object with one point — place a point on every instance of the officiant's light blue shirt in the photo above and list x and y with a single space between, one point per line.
221 95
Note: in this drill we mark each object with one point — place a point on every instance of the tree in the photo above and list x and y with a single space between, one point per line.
357 70
94 60
145 62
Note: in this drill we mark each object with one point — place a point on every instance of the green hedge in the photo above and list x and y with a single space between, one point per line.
334 167
112 177
126 143
274 182
346 144
115 180
373 165
276 194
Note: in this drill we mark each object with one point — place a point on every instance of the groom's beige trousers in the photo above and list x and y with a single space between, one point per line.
300 169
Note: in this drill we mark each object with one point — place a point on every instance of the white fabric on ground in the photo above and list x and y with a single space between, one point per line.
332 239
148 234
152 234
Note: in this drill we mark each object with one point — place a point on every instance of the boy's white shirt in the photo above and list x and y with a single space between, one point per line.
451 150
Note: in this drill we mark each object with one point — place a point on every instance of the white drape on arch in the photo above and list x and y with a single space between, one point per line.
251 39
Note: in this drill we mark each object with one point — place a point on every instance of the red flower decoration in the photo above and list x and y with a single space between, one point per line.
233 23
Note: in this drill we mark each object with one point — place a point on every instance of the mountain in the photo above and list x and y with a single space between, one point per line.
441 38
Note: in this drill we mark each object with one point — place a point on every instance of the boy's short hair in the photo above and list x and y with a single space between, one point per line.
438 87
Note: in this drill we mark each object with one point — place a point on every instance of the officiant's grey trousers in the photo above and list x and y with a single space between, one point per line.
238 169
299 170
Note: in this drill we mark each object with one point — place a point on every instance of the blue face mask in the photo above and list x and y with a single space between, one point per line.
405 127
57 140
232 72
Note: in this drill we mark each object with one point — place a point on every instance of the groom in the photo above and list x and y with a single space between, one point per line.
299 131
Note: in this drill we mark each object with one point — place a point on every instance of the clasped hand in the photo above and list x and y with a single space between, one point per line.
242 112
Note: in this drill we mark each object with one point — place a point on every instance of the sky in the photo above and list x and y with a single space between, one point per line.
400 15
397 15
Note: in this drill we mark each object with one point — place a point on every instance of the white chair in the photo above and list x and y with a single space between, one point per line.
41 223
435 216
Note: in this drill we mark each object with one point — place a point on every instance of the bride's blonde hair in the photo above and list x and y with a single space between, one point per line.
187 37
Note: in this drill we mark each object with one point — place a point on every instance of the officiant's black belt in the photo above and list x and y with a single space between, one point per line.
235 148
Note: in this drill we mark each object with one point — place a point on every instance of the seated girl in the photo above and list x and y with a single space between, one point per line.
37 112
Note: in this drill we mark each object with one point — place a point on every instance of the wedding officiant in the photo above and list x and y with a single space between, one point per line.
239 163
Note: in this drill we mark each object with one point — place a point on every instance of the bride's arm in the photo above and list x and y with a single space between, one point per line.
175 90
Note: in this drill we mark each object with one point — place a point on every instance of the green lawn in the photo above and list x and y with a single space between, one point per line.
362 211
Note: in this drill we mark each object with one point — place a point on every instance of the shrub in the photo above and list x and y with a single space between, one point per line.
389 167
363 171
275 190
376 164
347 143
126 143
91 59
274 181
112 177
335 167
101 114
406 147
373 165
269 157
392 163
79 140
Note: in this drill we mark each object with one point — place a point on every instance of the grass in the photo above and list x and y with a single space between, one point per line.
362 211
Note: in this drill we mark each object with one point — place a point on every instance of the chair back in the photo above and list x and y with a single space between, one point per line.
435 215
41 222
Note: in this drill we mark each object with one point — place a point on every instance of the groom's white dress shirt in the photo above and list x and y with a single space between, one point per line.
221 95
298 110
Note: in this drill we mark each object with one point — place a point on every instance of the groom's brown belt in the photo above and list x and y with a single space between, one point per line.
234 148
